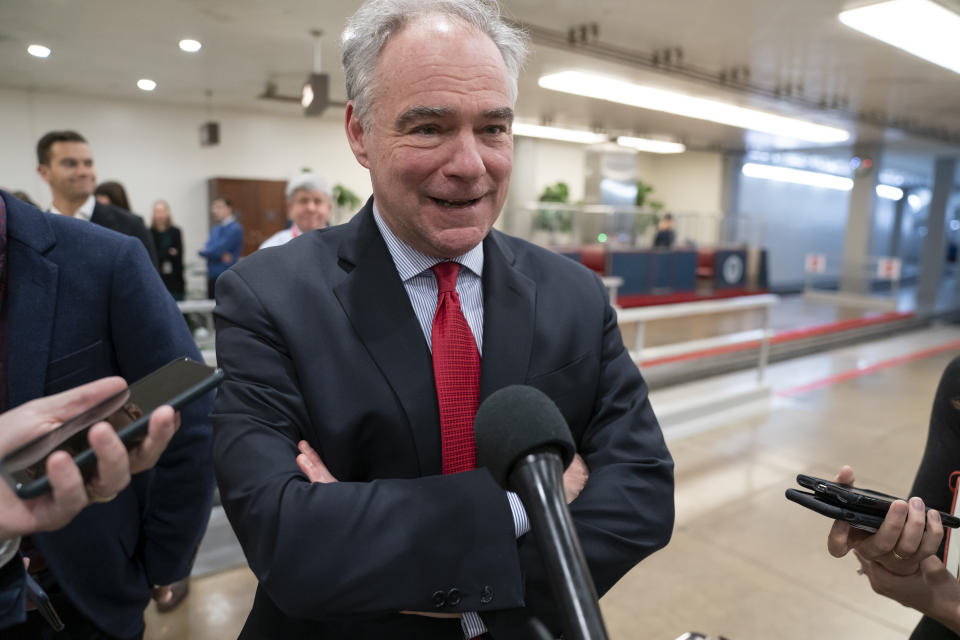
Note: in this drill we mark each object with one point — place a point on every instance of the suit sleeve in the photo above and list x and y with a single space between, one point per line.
626 509
13 595
150 332
322 550
147 239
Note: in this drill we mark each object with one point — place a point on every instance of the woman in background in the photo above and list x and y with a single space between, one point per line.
112 193
169 245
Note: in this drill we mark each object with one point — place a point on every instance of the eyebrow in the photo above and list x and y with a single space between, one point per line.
423 112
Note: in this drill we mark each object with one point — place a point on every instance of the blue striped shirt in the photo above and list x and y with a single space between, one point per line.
421 285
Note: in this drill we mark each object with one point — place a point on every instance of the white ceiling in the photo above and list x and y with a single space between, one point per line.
103 46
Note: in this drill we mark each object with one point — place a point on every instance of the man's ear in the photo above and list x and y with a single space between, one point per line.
44 171
356 136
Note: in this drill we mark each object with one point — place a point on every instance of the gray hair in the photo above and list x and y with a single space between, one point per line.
306 182
368 30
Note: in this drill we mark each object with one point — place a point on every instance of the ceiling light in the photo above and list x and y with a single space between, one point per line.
813 179
610 89
889 192
797 176
556 133
146 84
38 51
190 46
920 27
651 146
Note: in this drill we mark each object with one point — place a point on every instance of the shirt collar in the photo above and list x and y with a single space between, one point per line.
227 221
411 262
85 212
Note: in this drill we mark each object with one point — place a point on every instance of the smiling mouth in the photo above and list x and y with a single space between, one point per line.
455 204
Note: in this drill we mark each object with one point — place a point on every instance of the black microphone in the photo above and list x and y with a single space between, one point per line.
523 440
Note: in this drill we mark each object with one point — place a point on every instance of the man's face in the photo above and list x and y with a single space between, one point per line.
70 173
308 209
221 210
439 146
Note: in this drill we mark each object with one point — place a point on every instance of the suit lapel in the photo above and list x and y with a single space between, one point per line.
374 299
508 318
31 302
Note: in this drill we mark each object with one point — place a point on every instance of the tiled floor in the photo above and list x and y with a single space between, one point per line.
744 562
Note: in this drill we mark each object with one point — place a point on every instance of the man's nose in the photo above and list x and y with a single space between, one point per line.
466 158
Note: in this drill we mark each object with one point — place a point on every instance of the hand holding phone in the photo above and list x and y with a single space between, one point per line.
70 493
903 536
128 412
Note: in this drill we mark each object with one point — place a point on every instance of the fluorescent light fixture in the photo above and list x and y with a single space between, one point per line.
923 28
146 84
557 133
889 192
613 90
797 176
651 146
812 179
190 46
38 51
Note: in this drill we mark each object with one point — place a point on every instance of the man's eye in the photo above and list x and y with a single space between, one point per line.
496 129
427 130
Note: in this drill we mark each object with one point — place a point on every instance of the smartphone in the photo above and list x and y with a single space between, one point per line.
866 521
128 412
862 500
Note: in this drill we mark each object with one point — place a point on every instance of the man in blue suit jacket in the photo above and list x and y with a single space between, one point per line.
225 244
82 303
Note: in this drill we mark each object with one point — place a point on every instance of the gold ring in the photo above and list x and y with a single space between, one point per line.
99 500
897 555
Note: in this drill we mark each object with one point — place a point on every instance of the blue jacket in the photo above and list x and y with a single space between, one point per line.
84 302
224 238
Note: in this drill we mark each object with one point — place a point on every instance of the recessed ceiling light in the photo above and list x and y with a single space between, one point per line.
146 84
650 145
190 46
558 133
38 51
920 27
613 90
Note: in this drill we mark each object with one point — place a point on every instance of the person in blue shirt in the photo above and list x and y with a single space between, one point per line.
225 243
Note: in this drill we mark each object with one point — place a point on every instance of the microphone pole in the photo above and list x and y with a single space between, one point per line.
525 443
537 478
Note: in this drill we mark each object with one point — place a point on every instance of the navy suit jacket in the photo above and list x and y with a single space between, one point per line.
82 303
319 341
127 223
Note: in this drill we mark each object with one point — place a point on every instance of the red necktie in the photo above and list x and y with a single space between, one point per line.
456 370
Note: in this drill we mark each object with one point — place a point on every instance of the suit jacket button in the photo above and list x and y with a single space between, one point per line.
486 595
453 597
439 599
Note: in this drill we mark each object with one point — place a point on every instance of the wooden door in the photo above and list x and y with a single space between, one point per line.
259 205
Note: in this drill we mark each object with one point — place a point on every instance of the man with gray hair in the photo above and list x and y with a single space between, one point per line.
308 208
356 359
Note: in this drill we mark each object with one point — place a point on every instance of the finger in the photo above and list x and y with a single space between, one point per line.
67 497
846 475
885 539
113 467
931 536
909 540
69 403
837 543
164 422
312 465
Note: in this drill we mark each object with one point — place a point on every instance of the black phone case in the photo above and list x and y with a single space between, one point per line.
865 521
863 500
129 435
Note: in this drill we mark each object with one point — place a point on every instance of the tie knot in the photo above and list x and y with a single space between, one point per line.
446 274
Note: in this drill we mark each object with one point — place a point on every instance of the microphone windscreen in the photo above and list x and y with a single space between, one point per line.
515 421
